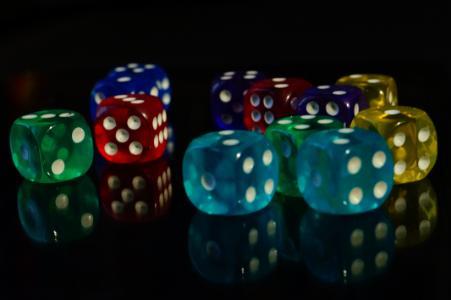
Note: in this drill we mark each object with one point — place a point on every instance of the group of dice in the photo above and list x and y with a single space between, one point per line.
341 147
128 110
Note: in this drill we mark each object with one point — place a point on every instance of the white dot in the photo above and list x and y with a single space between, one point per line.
226 132
423 134
128 99
62 201
229 73
250 194
78 135
253 236
312 108
135 148
165 83
225 96
380 189
269 186
159 119
380 231
271 227
141 208
355 196
249 76
381 259
379 159
109 123
339 93
307 117
58 167
113 182
255 115
29 117
325 121
357 267
120 96
269 117
253 72
255 100
122 135
302 126
132 65
226 77
268 102
230 142
401 232
424 162
400 205
425 228
117 207
281 85
138 70
154 123
392 112
354 165
323 87
248 165
161 137
149 66
279 79
124 79
134 122
374 80
48 116
154 91
284 122
355 75
164 115
254 265
87 220
356 109
357 237
332 109
267 157
165 133
400 167
208 181
110 149
166 99
399 139
127 195
155 141
345 130
341 141
66 115
137 102
120 69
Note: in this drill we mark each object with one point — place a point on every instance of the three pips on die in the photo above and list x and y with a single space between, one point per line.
130 126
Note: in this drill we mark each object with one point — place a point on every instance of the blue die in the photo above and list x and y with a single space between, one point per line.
347 249
230 172
236 250
227 93
345 171
130 79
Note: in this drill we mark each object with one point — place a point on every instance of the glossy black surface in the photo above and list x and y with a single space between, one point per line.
50 57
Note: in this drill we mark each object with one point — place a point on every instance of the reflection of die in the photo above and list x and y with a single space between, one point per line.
227 94
133 78
270 99
413 209
136 193
232 250
131 129
339 249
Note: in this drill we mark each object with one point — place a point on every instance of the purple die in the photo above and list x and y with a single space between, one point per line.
227 97
340 101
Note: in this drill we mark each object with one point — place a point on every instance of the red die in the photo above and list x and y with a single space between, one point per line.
132 193
131 128
270 99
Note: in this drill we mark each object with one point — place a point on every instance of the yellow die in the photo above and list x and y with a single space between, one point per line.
413 209
410 135
379 90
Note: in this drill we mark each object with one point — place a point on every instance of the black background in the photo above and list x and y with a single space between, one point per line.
66 46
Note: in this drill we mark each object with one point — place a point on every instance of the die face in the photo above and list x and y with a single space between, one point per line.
345 171
51 146
379 90
236 250
133 78
230 172
58 213
347 250
287 136
270 99
136 194
227 94
413 209
131 129
341 102
410 135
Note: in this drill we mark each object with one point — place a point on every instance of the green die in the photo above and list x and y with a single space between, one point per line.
51 146
287 135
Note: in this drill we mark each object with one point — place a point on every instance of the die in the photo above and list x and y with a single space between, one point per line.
230 172
131 129
410 135
236 250
287 135
270 99
341 102
412 208
345 171
58 213
227 94
347 249
136 193
379 90
51 145
133 78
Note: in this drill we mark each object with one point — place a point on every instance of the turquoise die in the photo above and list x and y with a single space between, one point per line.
345 171
230 172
